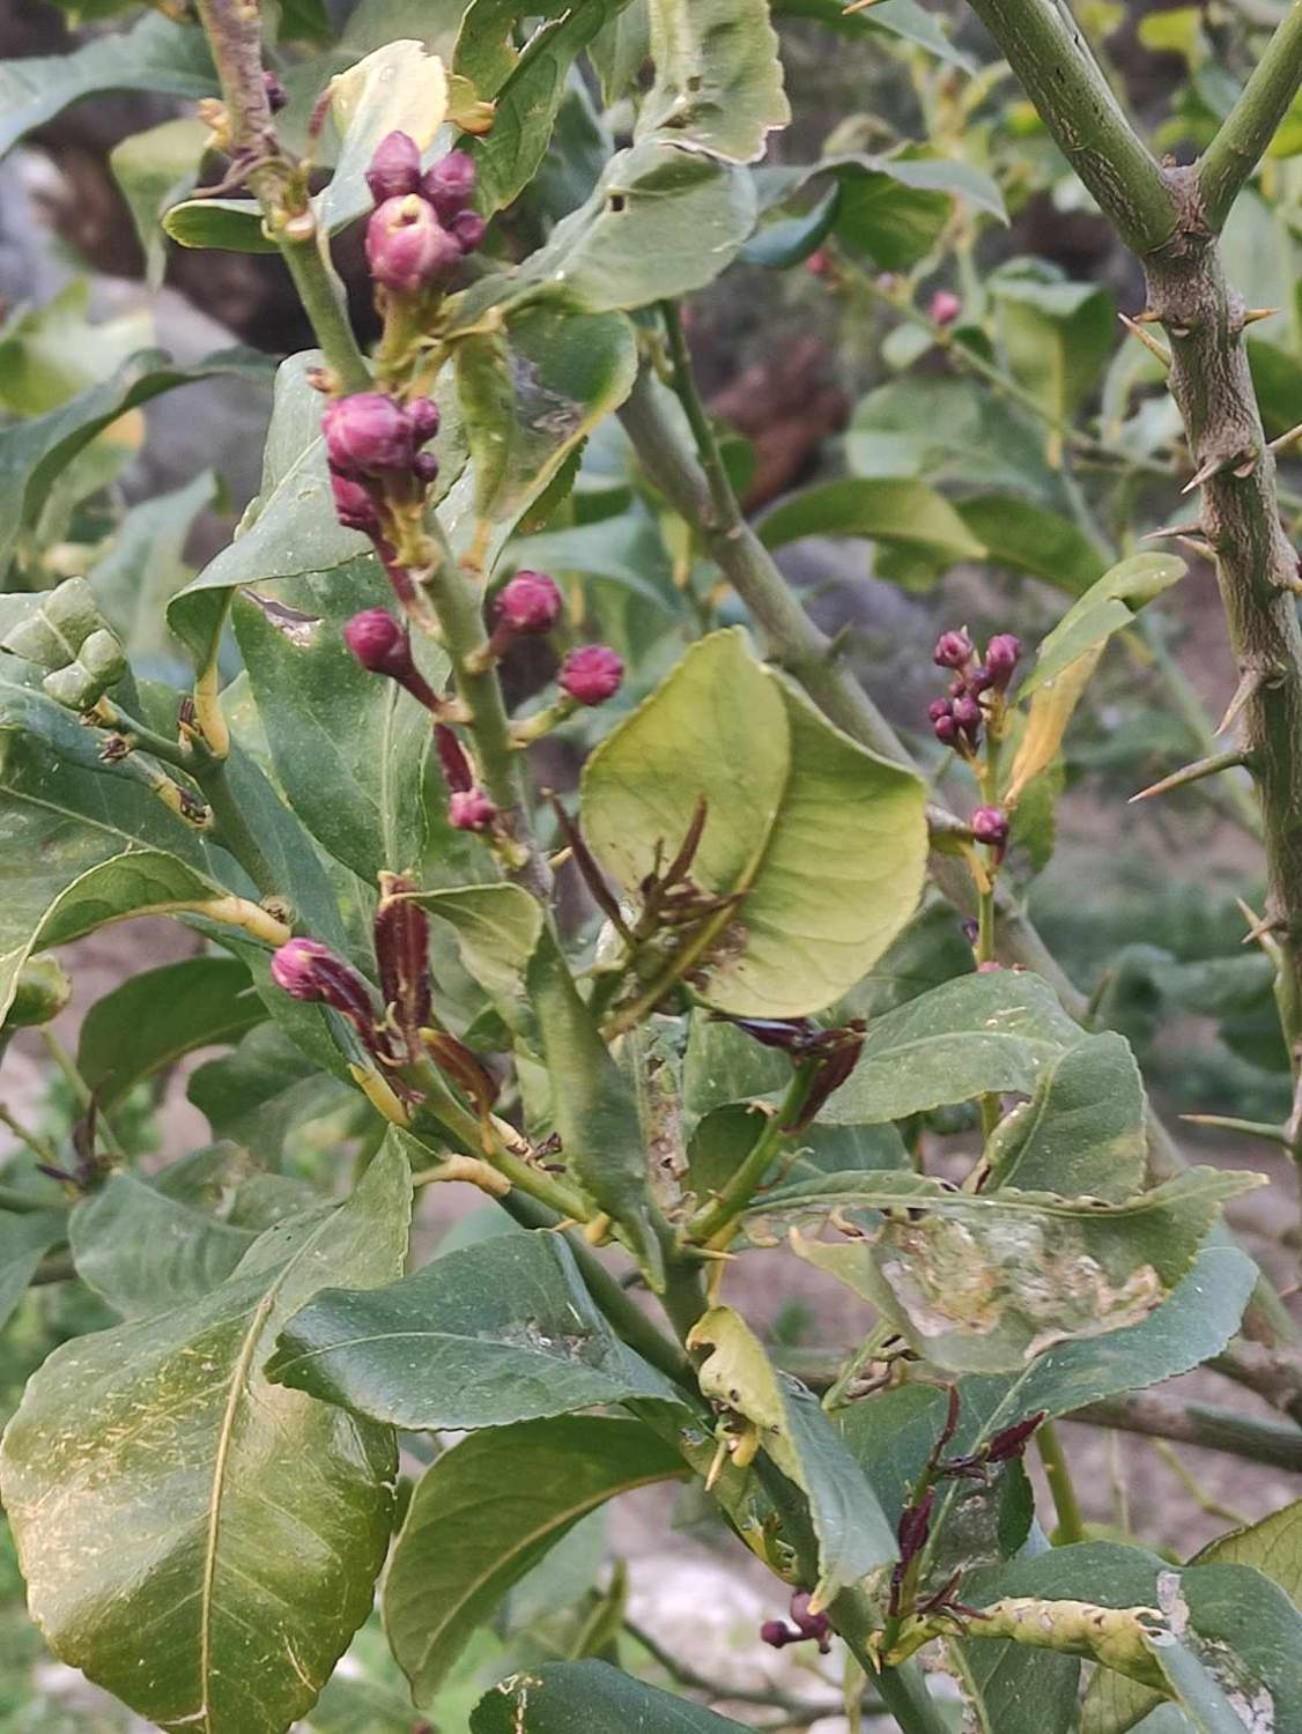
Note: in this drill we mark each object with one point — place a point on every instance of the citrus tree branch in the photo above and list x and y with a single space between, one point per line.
1250 125
1044 46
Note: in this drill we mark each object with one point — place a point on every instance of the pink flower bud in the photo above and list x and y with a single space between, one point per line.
425 468
407 248
449 184
592 674
469 228
382 646
945 307
367 434
530 602
471 810
395 168
354 507
990 825
423 414
967 714
1002 654
777 1634
953 650
939 707
979 680
945 729
306 969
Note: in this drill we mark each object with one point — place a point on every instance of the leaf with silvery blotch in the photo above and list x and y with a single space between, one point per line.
202 1543
983 1282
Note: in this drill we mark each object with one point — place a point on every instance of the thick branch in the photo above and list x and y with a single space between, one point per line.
1250 125
1276 1443
1046 50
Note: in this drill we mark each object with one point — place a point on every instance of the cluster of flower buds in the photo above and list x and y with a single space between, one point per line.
990 826
804 1627
422 225
956 720
68 636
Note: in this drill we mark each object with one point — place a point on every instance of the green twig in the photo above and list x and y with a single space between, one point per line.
711 1220
1247 130
230 828
1071 1524
81 1090
40 1147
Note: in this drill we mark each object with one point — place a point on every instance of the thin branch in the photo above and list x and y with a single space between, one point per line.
1277 1443
1044 47
1247 130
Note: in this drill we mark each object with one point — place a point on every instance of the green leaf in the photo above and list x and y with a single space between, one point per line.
896 225
155 55
291 527
143 567
975 1035
498 928
258 1094
1273 1546
854 1537
980 1283
1106 608
145 1253
718 78
502 1332
1057 337
948 430
197 1541
223 225
529 396
1013 1690
154 1019
33 454
904 514
593 1107
1082 1131
826 840
25 1238
588 1698
154 169
503 1523
349 749
1027 538
661 222
528 89
903 18
1277 381
892 1435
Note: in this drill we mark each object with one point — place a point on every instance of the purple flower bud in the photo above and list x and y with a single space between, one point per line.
945 730
592 674
381 645
423 414
810 1625
979 680
990 825
367 434
953 650
354 507
449 184
395 168
938 708
530 602
777 1634
1002 654
457 773
471 810
915 1526
407 248
967 714
469 228
277 95
945 307
306 969
425 468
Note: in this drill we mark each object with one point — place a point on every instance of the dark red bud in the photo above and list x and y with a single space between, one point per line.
529 603
938 708
777 1634
990 825
457 773
425 468
449 184
354 507
307 970
402 953
915 1527
367 434
1012 1442
277 95
945 730
810 1625
953 650
592 674
407 248
979 680
945 307
471 810
395 168
1002 655
423 414
469 228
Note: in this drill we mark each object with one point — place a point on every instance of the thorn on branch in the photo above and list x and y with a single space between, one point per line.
1194 773
1250 683
1154 345
1285 439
